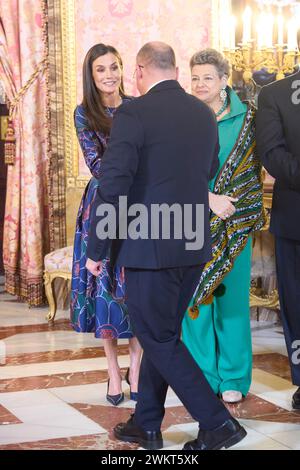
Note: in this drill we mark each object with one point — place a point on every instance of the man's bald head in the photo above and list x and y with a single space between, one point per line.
157 55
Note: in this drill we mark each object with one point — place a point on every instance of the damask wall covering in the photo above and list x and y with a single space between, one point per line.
126 24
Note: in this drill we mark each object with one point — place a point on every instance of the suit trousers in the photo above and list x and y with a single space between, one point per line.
157 301
288 275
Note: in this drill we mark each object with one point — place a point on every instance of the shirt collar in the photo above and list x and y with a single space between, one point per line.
237 107
156 83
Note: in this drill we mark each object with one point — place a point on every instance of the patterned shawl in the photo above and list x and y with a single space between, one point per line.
240 177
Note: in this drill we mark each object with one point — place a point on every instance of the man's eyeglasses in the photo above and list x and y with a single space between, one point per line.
140 67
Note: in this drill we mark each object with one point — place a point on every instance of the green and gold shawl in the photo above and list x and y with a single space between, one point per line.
240 177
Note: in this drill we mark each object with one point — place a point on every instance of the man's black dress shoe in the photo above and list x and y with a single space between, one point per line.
296 400
226 435
130 432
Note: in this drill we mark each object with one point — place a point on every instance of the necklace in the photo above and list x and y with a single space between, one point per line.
110 110
222 109
115 105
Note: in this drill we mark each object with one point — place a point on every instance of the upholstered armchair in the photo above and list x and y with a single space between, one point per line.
58 264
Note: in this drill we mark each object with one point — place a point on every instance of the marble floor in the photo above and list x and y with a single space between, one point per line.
53 386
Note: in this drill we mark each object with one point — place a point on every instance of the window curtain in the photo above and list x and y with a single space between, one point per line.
23 70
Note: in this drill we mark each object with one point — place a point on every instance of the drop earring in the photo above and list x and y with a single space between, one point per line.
223 95
224 99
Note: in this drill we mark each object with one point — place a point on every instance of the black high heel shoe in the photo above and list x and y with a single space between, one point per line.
133 395
114 399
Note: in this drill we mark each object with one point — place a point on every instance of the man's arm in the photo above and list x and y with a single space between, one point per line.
271 145
119 166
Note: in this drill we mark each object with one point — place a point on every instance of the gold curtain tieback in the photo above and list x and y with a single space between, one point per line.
10 145
10 138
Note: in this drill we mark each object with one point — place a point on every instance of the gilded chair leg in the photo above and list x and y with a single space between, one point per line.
66 293
50 297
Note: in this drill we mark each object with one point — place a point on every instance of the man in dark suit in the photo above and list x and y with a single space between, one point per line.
278 144
163 150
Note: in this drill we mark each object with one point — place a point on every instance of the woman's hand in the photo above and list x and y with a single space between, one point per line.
221 205
94 267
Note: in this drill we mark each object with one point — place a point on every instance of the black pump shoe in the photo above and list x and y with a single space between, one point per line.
133 395
114 399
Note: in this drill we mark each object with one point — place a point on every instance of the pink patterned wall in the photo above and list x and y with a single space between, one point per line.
128 24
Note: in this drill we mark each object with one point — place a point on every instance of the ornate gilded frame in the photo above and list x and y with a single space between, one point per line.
68 20
63 80
68 39
66 182
56 170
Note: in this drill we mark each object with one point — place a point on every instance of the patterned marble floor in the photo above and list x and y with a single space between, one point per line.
53 386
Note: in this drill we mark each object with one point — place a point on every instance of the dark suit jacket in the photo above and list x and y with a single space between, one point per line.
163 149
278 145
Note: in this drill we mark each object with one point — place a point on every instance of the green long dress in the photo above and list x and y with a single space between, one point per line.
220 337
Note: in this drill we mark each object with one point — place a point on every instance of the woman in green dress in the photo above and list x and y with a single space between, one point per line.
216 327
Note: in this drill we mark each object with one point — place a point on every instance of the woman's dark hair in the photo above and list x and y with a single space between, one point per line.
92 100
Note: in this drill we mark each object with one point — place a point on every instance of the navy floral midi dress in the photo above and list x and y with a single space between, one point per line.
97 303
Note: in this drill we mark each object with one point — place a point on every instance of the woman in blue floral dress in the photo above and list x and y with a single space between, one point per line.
97 303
